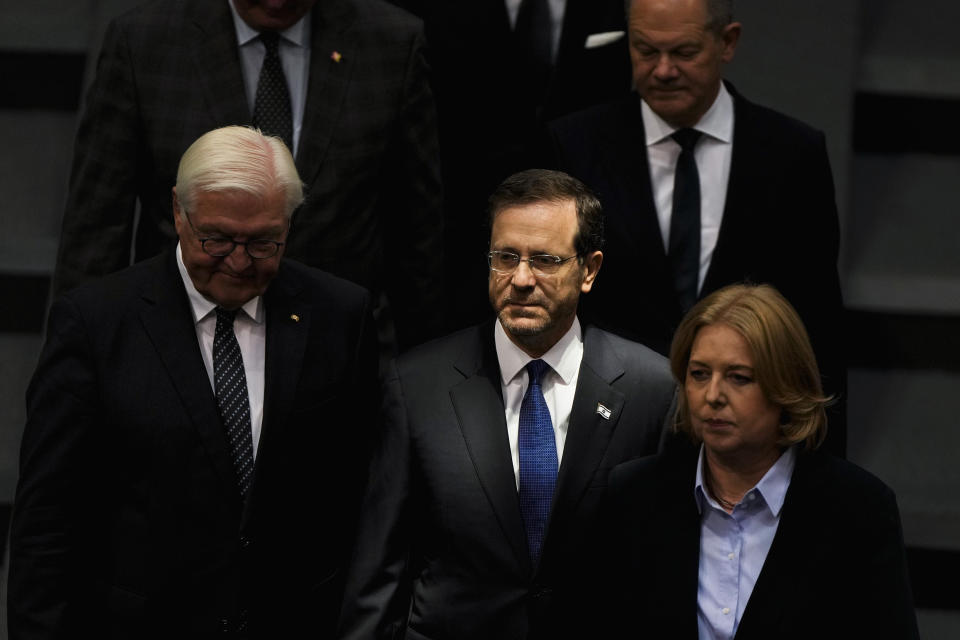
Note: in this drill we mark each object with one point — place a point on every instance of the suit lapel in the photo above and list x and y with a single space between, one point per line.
167 319
589 432
288 326
332 59
213 44
741 182
784 567
629 172
478 404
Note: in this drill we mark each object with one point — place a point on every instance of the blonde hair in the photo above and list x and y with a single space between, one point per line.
238 159
783 360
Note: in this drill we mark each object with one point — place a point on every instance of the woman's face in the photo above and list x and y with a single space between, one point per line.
728 409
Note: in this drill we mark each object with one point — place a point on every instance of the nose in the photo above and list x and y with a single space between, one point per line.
523 277
665 69
238 260
713 391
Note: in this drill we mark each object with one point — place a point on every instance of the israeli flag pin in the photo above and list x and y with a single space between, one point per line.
603 411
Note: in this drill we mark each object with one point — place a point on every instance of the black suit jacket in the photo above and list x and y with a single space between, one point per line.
488 127
128 522
836 568
780 226
169 71
441 551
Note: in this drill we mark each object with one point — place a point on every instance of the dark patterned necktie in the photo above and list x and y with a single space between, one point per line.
230 383
271 109
684 250
538 460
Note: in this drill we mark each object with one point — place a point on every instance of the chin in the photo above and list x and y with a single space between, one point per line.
523 326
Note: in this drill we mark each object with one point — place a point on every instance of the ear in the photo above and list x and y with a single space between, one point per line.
176 210
729 37
591 267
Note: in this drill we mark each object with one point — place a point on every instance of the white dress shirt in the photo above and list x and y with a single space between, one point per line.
250 327
559 384
712 153
294 57
557 9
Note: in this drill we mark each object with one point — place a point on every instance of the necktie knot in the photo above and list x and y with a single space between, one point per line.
271 41
536 369
686 138
226 316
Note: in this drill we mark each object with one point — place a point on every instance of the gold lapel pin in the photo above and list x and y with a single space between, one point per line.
336 57
295 317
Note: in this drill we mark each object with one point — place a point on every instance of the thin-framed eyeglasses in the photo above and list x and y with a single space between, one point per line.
221 247
543 264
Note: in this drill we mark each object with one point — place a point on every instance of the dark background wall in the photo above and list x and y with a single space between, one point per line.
880 77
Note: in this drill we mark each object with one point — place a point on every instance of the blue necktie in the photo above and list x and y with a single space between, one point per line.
538 460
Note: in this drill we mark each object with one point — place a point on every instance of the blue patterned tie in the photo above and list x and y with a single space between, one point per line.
538 460
230 383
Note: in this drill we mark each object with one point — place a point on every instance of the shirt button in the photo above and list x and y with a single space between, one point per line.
725 610
730 555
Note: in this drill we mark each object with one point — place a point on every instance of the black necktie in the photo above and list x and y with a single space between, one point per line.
230 383
271 110
684 250
533 40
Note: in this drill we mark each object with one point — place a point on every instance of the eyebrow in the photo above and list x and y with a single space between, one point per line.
732 367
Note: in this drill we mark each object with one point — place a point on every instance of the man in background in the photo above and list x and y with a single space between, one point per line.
343 82
703 188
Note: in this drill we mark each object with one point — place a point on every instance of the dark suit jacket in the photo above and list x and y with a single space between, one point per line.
836 568
488 127
441 551
780 227
169 71
127 521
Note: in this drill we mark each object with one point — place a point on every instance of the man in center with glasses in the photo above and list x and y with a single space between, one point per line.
497 440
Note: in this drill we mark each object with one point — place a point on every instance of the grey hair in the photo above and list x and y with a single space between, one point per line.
238 159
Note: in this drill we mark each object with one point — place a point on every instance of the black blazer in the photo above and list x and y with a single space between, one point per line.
442 551
780 226
836 568
127 521
169 71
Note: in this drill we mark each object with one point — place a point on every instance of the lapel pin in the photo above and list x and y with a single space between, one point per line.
295 317
603 411
336 57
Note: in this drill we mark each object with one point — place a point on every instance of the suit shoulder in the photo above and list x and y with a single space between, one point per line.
444 350
386 19
854 489
774 125
322 284
635 357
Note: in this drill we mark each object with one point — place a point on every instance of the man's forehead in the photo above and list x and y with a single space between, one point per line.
542 223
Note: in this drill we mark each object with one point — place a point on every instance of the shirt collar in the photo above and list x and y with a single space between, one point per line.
772 487
201 306
717 122
296 34
563 357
